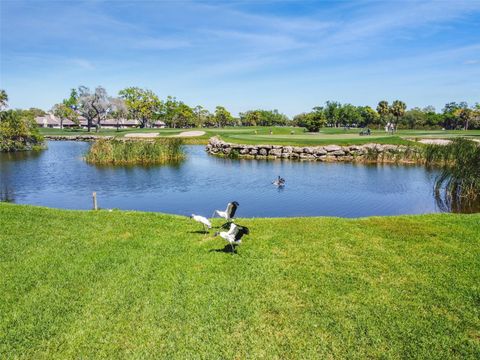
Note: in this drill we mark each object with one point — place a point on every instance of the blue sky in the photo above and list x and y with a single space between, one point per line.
285 55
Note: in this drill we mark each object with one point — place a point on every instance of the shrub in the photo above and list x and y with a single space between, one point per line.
18 132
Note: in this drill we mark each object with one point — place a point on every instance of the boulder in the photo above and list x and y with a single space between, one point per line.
287 149
319 151
263 152
331 148
304 156
275 152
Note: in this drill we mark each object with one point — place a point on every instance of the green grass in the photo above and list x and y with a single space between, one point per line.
117 152
283 136
84 284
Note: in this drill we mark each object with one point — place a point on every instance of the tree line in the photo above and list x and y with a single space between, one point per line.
144 106
334 114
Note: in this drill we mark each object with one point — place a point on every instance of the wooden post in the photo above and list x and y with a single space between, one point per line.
95 201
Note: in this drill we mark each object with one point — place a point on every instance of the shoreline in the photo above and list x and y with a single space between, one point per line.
368 153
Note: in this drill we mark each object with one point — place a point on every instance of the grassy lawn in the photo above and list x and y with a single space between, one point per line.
80 284
283 135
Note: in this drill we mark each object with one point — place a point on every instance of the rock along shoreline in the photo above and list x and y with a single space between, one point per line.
374 153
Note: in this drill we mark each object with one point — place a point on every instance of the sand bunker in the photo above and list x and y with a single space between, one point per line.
142 135
190 133
435 141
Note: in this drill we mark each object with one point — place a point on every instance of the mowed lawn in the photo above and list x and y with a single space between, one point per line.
287 135
84 284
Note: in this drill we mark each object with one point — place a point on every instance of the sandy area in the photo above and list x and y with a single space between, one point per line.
441 141
435 141
190 133
141 135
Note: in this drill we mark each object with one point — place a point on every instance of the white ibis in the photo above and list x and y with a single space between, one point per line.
203 220
234 235
279 181
229 212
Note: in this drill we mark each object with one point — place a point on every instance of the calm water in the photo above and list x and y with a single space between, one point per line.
58 177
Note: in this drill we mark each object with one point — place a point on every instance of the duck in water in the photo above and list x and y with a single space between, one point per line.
280 182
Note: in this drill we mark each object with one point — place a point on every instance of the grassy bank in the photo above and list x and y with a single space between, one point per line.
284 135
118 152
78 284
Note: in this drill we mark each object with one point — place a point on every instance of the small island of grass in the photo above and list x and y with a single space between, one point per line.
120 152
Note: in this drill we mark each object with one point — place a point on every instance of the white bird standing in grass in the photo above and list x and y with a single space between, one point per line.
234 235
203 220
229 212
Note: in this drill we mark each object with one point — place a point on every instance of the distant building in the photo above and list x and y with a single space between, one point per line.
51 121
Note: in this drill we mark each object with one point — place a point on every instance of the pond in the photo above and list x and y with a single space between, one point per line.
58 177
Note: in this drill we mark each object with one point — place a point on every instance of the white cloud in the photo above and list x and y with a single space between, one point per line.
82 63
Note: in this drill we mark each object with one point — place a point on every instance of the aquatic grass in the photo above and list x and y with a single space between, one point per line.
136 152
407 154
459 180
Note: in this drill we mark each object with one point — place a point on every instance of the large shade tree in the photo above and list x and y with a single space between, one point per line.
332 112
168 111
93 106
368 116
450 111
64 112
184 116
315 119
349 115
223 116
143 105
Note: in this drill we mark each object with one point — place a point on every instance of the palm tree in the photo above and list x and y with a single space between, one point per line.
383 109
398 110
3 99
